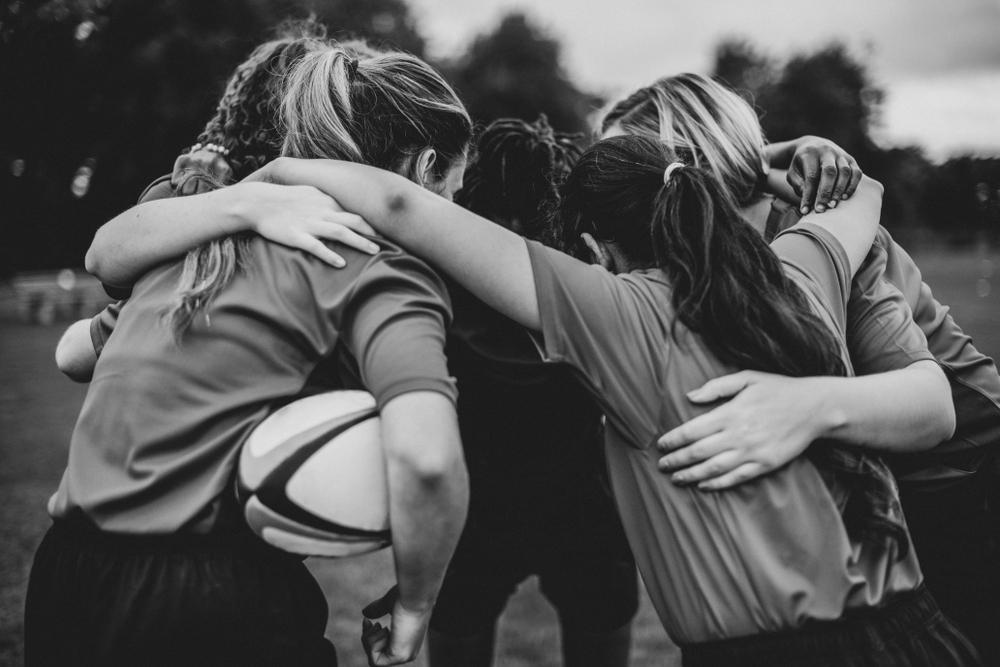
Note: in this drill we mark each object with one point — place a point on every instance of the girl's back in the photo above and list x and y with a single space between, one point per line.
155 444
764 557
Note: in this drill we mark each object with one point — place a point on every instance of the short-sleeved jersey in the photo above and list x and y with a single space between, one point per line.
764 557
155 445
888 279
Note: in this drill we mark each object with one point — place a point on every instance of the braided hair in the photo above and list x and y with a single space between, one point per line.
515 175
246 118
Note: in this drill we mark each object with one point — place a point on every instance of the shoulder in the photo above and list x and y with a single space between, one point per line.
160 188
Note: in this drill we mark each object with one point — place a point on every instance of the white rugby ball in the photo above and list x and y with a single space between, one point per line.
312 477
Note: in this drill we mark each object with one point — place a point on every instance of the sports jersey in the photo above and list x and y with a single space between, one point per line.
764 557
157 438
975 383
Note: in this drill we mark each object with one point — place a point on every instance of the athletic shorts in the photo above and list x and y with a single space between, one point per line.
585 569
956 532
908 631
101 599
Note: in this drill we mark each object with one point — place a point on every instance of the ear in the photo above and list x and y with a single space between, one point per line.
423 168
598 252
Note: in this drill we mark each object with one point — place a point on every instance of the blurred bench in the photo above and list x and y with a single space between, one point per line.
50 297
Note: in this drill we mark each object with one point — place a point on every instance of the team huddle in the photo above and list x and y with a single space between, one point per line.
678 351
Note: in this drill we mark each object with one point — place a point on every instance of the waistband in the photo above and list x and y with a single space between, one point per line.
906 613
82 533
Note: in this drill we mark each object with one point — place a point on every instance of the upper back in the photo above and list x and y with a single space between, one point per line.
161 424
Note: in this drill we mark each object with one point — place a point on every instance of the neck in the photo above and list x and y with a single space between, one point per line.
756 214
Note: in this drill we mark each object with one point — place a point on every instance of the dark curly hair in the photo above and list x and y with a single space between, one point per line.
514 176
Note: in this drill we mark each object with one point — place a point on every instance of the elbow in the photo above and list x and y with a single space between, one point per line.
435 467
95 265
91 262
69 365
873 186
940 415
74 352
945 423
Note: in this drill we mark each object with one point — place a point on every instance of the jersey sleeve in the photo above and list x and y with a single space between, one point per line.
161 188
881 333
394 325
817 262
588 320
102 324
975 382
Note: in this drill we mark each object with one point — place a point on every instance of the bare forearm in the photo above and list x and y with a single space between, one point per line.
428 494
906 410
855 222
427 519
777 185
487 259
779 154
135 241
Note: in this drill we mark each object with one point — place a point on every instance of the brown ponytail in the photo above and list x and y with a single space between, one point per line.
728 288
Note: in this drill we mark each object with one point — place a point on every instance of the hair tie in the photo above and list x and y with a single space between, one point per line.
352 68
669 171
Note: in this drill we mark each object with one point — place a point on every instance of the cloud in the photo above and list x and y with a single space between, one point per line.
913 47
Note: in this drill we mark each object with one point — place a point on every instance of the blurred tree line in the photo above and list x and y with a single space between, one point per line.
830 93
99 96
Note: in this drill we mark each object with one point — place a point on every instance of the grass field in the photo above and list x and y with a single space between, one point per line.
38 408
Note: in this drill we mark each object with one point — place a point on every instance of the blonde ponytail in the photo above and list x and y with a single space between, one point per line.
356 104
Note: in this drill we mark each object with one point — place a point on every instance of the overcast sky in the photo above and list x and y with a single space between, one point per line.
938 60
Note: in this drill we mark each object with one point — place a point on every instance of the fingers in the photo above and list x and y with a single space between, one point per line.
352 223
696 429
375 640
738 475
221 170
843 180
382 606
794 178
318 249
694 453
721 387
854 181
808 166
348 238
827 180
718 465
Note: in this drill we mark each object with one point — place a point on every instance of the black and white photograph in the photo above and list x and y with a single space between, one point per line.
499 333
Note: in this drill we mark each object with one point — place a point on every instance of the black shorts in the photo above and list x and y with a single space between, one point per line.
909 631
956 533
101 599
585 569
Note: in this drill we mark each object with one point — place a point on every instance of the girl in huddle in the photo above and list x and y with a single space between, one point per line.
539 503
148 560
805 569
948 491
810 564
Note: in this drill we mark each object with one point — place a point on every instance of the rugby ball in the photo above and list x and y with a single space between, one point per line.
312 477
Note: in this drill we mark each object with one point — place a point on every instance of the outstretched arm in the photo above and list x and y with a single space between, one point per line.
135 241
773 418
487 259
